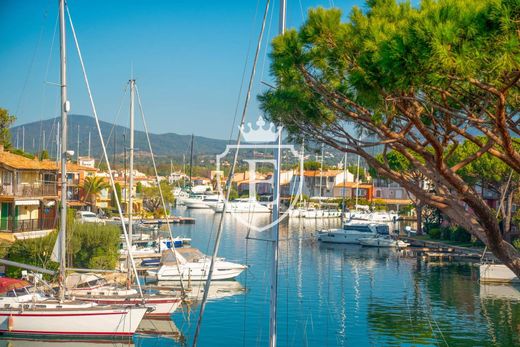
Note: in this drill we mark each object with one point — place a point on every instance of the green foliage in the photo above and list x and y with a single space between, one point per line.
117 193
35 252
516 243
22 153
311 165
139 188
94 246
435 233
6 120
44 155
233 194
152 198
92 186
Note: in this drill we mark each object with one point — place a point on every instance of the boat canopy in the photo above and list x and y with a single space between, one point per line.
83 280
190 255
7 284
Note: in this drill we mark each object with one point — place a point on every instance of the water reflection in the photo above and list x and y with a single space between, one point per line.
335 295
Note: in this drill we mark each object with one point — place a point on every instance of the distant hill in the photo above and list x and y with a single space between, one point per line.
169 145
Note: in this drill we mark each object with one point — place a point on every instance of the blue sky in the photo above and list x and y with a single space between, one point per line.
187 56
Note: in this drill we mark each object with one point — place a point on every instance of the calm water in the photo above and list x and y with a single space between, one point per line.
331 295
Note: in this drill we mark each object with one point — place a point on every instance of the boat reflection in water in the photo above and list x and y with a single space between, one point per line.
137 340
217 290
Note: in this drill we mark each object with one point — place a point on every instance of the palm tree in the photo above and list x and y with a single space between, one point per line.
92 186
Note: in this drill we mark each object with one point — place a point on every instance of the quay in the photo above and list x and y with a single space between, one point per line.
439 251
173 220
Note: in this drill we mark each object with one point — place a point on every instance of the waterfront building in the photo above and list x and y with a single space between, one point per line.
28 193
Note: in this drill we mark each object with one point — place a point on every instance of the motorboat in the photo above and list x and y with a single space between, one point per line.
207 201
245 205
383 241
377 216
93 288
26 311
320 213
191 264
352 232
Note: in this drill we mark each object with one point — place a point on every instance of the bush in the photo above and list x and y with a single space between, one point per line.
435 233
516 243
35 252
460 234
94 246
445 233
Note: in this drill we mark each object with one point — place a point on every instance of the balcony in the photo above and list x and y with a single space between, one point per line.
14 225
29 189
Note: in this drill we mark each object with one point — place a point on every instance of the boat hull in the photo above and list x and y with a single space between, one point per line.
162 306
496 273
340 236
103 322
223 271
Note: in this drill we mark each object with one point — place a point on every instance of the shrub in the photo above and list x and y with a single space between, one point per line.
435 233
35 252
94 246
445 233
516 243
460 234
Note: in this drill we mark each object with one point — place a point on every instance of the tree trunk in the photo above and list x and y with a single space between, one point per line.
418 211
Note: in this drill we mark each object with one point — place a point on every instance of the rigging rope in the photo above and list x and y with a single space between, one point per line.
160 190
229 180
112 182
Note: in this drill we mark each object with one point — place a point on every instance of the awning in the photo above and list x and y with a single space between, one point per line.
27 202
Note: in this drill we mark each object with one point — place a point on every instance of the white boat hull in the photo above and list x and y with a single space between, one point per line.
380 242
198 271
340 236
162 306
98 321
496 273
320 214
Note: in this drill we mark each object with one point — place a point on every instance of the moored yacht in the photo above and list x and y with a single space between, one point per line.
352 232
245 205
191 264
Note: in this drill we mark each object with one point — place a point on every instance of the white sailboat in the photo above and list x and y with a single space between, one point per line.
43 316
191 264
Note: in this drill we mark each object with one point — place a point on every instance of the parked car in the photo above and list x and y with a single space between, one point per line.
88 217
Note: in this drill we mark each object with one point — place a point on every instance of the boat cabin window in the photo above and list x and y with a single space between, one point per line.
90 284
17 292
360 228
383 230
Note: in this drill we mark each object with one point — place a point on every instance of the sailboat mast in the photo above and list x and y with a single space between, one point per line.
302 171
344 185
64 110
131 168
276 212
191 159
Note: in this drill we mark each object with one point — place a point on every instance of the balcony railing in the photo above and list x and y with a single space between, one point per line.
15 226
29 189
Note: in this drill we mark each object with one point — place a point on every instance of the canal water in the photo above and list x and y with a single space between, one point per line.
333 295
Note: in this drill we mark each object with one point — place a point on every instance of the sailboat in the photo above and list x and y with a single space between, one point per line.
310 211
93 288
43 316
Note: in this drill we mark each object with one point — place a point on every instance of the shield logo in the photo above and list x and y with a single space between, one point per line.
257 140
